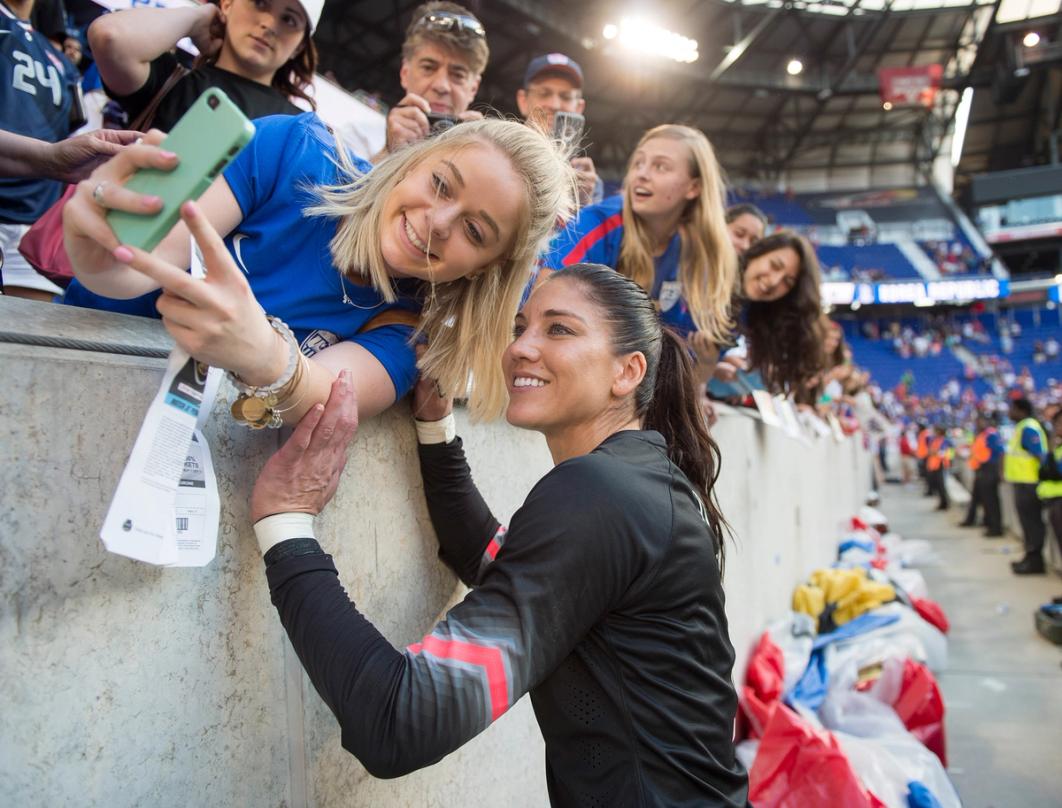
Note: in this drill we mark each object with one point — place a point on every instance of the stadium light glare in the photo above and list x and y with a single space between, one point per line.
887 106
638 34
795 67
1058 279
962 118
1031 39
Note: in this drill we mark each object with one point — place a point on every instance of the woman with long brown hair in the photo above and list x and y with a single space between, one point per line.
258 52
602 598
779 307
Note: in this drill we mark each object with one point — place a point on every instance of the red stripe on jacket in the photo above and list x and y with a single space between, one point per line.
484 656
582 247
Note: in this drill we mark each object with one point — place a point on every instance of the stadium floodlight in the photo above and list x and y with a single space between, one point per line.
887 106
1031 39
795 67
640 35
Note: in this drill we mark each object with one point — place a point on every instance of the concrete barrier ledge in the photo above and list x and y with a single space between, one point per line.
122 684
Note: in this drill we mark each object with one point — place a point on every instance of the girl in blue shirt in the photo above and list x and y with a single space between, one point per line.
454 222
668 233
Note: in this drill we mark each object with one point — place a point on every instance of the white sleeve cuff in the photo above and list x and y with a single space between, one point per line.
272 530
442 431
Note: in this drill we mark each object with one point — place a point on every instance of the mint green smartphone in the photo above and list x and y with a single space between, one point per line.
206 139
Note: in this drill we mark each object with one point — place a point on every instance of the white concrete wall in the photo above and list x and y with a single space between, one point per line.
123 685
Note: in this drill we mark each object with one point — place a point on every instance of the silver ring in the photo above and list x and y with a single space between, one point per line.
97 194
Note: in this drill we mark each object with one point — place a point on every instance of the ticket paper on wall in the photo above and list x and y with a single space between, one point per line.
149 508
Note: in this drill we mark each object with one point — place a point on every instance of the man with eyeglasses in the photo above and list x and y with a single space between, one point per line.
554 83
443 58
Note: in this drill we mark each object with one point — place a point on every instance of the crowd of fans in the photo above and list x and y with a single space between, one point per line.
324 268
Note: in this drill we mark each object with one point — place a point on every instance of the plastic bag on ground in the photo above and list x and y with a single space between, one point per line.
794 635
889 764
859 714
800 766
910 581
905 635
931 612
913 693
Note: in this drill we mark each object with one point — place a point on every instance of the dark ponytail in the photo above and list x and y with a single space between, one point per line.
666 400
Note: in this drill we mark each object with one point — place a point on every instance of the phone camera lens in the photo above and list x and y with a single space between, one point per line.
213 102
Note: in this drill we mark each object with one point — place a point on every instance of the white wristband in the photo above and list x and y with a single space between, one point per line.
272 530
442 431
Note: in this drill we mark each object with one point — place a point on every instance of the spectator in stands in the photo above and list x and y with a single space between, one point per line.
1021 468
1051 349
986 461
747 224
258 52
1038 353
667 232
443 58
454 222
780 308
37 102
630 499
554 83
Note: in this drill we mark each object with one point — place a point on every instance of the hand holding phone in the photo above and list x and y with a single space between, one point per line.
206 138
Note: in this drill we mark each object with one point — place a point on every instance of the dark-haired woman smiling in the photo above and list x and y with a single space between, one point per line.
779 305
602 599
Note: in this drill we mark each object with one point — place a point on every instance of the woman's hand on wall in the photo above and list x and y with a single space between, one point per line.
304 473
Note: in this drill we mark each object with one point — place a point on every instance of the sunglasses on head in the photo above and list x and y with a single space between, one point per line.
448 21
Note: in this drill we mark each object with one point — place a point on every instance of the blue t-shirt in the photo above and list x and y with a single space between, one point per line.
286 254
35 98
1030 442
596 235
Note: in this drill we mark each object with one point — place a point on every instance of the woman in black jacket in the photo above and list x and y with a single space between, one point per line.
602 598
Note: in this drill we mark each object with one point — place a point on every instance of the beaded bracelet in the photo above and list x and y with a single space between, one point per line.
257 406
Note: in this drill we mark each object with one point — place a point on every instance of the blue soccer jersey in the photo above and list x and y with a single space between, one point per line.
596 236
286 255
35 99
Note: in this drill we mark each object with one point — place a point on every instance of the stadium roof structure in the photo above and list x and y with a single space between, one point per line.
823 128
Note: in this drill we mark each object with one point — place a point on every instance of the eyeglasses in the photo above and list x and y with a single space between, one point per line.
448 21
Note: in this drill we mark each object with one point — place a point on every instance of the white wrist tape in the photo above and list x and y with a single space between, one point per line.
272 530
442 431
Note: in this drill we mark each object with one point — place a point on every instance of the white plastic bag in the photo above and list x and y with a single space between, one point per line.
887 763
794 634
909 636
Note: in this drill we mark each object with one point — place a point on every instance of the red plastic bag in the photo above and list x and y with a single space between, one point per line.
799 766
764 684
921 708
932 613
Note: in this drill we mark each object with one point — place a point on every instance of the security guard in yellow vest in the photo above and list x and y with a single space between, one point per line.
1021 468
1050 488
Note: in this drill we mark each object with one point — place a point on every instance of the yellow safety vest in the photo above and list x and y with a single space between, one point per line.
1019 466
1050 489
